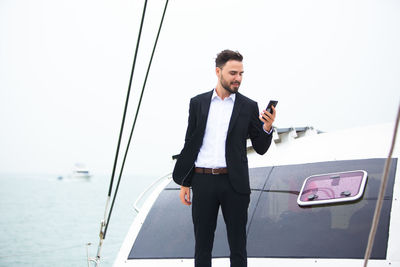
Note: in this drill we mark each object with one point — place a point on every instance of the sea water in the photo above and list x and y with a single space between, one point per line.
47 221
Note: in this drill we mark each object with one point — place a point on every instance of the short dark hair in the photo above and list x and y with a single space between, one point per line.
225 56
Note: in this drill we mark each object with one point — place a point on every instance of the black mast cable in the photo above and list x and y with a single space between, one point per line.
127 101
136 115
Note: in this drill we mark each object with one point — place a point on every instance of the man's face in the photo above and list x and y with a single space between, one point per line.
230 76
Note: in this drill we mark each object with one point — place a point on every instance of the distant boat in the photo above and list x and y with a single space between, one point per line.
80 171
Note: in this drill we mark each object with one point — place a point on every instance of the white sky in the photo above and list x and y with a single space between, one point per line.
65 66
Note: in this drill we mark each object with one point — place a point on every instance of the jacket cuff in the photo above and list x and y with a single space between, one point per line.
270 131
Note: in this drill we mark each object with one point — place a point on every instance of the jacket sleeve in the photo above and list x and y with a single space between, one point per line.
191 121
182 174
260 140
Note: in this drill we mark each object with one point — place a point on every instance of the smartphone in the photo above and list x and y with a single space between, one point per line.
271 103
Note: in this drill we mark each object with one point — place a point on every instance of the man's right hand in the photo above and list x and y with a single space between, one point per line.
185 195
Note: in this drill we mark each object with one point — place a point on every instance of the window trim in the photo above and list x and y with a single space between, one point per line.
334 200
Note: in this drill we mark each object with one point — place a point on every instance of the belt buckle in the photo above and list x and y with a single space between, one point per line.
214 173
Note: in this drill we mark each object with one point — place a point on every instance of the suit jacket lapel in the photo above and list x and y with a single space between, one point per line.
205 108
236 111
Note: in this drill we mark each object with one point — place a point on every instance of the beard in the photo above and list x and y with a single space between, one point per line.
231 87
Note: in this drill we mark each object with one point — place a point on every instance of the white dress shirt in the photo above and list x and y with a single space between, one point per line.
212 151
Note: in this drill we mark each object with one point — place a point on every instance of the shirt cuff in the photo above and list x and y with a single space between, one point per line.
270 131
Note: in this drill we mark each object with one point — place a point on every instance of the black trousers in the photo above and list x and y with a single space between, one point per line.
209 193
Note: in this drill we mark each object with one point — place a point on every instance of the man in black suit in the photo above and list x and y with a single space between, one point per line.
213 160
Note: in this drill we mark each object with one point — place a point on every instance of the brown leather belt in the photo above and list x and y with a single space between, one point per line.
211 171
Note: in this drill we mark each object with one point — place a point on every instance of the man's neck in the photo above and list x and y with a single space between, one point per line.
222 92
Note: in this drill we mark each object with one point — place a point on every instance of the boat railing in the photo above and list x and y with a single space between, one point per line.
135 205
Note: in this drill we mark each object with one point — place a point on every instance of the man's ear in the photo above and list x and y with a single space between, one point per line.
217 71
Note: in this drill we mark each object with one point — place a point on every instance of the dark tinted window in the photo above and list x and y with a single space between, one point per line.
278 226
281 228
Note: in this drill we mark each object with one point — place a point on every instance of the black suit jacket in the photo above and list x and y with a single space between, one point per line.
244 123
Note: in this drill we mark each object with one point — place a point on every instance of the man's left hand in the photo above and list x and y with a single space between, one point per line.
268 118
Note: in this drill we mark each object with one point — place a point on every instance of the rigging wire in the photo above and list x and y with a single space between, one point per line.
382 190
136 115
105 222
127 100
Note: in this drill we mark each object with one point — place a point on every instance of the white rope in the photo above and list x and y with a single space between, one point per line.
40 252
382 190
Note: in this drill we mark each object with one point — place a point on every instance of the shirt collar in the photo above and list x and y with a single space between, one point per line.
231 96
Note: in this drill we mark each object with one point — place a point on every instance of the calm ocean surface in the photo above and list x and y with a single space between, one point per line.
47 222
